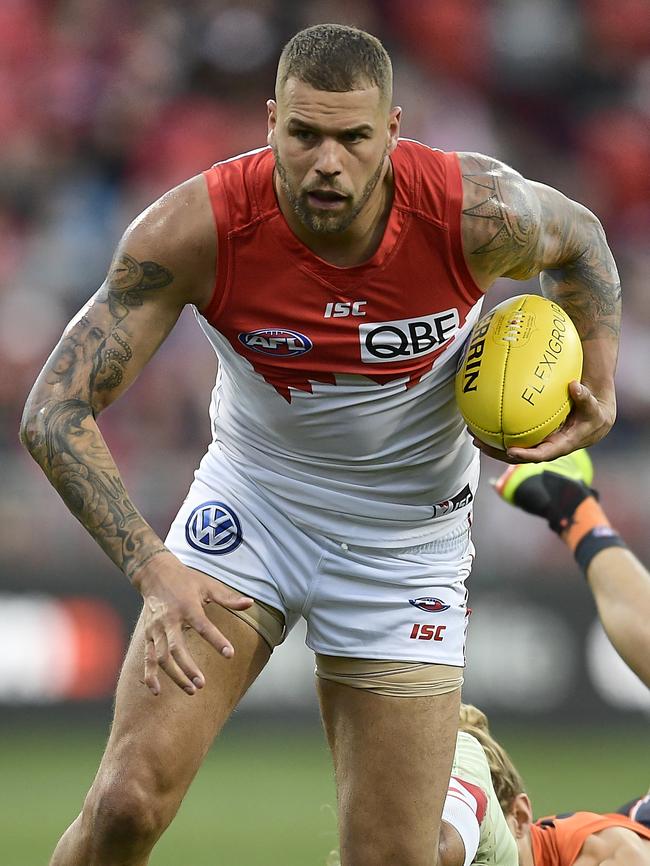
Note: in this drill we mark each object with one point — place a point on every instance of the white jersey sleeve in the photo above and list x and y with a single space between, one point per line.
496 845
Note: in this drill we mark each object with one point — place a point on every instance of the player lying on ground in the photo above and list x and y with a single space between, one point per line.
474 832
337 273
482 836
560 492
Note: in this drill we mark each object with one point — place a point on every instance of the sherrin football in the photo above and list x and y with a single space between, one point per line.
512 383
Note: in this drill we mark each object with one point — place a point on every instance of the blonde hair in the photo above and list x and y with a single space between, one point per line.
505 776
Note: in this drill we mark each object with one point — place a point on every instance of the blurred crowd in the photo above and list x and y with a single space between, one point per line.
107 103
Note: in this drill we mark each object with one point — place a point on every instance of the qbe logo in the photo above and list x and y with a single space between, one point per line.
383 342
213 528
276 341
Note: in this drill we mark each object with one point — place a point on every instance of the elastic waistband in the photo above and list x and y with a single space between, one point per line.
458 536
457 539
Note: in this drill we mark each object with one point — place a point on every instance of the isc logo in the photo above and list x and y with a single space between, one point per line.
383 342
427 632
340 309
276 341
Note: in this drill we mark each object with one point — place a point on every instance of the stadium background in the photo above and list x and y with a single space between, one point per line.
107 104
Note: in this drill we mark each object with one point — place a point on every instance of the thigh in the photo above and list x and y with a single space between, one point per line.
392 759
160 741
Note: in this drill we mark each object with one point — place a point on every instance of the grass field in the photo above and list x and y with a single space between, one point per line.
266 798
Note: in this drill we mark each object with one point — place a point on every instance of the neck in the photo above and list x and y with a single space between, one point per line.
525 846
360 240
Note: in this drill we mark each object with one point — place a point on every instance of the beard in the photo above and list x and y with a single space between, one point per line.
326 223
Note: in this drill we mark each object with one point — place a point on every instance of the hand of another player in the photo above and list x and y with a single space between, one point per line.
175 598
588 422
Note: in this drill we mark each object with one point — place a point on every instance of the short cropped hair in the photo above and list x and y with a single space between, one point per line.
336 58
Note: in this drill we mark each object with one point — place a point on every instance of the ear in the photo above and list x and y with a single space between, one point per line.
271 119
520 816
394 121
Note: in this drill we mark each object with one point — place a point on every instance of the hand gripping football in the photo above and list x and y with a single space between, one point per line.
512 383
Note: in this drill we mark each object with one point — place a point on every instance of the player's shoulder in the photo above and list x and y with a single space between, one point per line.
470 761
427 180
469 748
584 823
429 163
501 220
493 191
176 214
241 190
246 161
615 844
177 230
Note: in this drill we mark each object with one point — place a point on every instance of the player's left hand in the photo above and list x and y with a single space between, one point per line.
588 422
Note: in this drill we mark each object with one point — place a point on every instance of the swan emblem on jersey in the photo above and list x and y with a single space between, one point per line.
213 528
276 341
429 604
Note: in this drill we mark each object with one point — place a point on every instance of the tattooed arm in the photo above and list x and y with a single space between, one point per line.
165 260
516 228
91 365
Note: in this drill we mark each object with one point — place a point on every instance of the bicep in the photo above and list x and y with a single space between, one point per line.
165 260
517 228
569 232
500 222
113 336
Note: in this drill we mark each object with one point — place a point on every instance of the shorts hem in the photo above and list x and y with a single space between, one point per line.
387 656
199 565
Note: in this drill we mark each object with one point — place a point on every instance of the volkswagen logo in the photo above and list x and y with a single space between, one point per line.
213 528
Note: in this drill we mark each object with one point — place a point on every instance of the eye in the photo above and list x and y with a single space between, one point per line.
353 137
305 135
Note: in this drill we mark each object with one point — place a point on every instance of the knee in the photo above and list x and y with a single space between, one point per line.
379 851
125 813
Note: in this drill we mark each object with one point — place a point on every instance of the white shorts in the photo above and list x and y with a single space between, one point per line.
408 604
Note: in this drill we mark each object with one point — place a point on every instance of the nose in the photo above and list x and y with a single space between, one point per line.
328 162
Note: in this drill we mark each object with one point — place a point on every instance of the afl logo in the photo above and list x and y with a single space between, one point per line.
213 528
276 341
431 605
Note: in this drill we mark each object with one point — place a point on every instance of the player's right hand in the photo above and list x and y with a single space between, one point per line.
175 598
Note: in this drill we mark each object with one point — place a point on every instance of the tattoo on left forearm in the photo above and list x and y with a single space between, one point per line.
589 290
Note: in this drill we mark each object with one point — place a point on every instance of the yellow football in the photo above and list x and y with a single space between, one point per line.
512 383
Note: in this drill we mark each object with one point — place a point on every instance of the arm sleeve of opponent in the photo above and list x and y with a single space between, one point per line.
464 809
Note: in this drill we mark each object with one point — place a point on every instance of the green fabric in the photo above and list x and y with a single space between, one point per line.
496 845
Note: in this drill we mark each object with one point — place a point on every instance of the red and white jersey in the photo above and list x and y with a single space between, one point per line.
335 385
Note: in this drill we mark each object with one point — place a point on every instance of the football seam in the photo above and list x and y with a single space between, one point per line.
528 429
503 385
